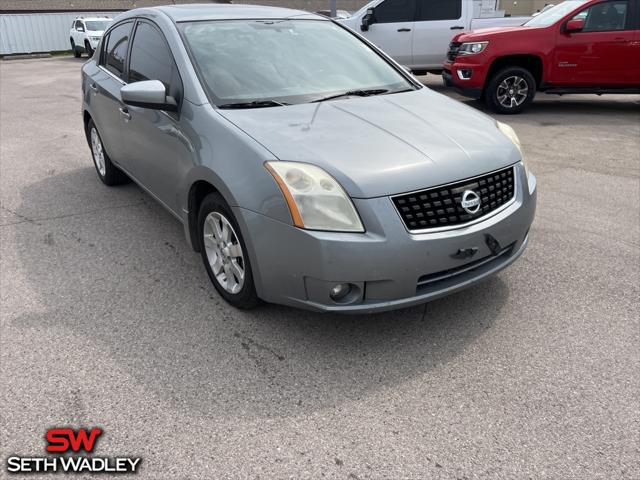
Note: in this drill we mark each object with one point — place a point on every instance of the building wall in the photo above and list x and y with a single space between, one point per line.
523 7
38 32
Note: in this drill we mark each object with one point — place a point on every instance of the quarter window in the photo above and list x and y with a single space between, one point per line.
395 11
116 49
430 10
604 17
151 59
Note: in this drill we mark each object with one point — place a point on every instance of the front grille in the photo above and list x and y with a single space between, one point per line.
454 48
439 207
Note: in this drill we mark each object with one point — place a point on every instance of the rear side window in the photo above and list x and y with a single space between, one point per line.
116 49
151 59
429 10
607 16
395 11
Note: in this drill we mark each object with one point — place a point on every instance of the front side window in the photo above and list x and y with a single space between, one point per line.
116 49
292 61
79 25
395 11
604 17
430 10
151 59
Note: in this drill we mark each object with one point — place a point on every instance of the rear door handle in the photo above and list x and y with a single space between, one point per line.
404 29
457 27
125 113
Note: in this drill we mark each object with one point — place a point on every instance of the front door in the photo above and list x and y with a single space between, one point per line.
599 54
392 29
156 144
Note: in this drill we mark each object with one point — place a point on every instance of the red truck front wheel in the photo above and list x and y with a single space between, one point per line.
510 90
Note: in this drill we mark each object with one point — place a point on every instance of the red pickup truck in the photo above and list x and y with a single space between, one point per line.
578 46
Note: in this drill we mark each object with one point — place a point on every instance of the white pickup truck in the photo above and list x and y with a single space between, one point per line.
417 33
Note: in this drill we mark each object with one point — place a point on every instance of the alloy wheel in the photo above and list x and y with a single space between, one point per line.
98 152
224 252
512 91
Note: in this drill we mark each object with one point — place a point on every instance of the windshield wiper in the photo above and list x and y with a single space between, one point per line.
254 104
353 93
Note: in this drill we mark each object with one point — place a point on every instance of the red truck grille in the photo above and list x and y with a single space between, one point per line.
454 48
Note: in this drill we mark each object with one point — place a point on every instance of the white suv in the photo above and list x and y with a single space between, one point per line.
85 34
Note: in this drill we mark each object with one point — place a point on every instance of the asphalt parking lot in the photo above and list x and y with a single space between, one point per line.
108 319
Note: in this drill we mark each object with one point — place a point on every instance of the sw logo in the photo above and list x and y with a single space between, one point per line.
65 440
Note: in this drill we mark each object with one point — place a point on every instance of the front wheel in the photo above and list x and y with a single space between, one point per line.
87 47
224 253
510 90
74 49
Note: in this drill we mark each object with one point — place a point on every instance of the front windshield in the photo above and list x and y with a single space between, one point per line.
98 25
287 61
551 16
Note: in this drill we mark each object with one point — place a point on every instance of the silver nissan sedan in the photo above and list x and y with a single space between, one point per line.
308 168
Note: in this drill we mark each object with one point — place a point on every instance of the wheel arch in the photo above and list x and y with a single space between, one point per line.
531 62
86 118
196 194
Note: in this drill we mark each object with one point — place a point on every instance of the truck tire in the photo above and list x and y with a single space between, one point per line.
510 90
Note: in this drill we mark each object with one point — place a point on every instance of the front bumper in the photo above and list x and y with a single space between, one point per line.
389 267
471 83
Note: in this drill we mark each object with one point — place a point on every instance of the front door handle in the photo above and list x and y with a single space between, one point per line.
404 29
93 86
457 27
124 111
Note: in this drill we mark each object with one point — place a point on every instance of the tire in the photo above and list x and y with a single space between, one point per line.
224 253
510 90
74 49
107 171
88 49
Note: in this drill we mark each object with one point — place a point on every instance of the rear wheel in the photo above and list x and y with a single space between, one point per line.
510 90
107 171
224 253
74 49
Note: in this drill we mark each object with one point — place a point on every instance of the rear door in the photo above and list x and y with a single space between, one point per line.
392 30
601 53
155 140
107 106
437 21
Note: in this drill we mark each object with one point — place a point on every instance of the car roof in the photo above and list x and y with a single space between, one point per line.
192 12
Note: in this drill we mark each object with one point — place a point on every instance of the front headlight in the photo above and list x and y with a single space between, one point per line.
471 48
315 199
511 135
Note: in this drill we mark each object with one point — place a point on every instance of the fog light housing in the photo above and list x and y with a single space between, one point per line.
465 73
340 291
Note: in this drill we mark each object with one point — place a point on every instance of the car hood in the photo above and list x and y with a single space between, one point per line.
382 145
492 32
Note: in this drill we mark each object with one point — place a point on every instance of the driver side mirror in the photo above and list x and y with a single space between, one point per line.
150 94
368 19
574 25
